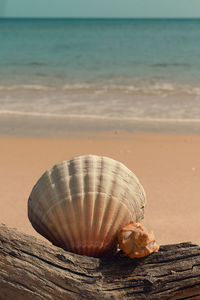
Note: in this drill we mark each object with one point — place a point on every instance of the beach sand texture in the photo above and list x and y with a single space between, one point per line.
168 166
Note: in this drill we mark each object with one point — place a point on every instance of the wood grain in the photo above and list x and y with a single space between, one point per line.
31 269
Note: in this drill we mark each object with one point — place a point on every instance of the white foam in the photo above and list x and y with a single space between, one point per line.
164 88
98 117
79 86
25 87
159 88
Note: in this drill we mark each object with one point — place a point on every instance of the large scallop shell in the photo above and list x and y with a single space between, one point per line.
80 204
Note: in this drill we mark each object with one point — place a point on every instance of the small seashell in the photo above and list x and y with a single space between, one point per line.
136 241
81 204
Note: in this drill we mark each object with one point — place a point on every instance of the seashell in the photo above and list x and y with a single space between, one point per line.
80 204
136 241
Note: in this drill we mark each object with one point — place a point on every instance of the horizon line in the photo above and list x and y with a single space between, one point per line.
102 18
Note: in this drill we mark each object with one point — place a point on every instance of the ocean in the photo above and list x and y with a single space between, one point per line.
131 69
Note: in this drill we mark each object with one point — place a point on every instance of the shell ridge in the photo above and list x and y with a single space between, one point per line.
41 194
89 217
57 230
53 175
82 231
55 204
45 178
75 232
104 233
98 204
138 203
138 215
80 219
100 208
61 212
111 187
111 228
38 226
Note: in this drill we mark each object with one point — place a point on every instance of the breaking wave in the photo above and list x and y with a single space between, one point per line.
97 117
163 89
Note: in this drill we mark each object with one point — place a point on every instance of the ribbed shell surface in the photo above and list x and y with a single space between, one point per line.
80 204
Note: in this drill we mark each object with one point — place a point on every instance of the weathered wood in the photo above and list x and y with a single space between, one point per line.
31 269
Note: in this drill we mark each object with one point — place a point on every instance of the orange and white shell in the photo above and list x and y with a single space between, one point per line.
80 204
136 240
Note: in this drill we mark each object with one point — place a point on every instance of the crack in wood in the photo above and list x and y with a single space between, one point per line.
175 288
196 297
56 265
21 286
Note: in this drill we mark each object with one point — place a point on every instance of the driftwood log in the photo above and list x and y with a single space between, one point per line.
31 269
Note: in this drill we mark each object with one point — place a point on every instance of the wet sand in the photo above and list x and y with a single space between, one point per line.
168 166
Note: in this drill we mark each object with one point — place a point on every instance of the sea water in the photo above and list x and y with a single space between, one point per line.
136 69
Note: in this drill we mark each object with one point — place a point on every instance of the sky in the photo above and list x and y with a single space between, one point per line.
100 8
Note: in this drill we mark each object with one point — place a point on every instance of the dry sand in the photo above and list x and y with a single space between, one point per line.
167 165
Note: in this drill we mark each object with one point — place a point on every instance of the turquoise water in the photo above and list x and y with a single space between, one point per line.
130 68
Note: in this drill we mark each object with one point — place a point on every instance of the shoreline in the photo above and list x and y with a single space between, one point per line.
168 166
30 125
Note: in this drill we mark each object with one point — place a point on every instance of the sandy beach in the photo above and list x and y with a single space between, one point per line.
168 166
